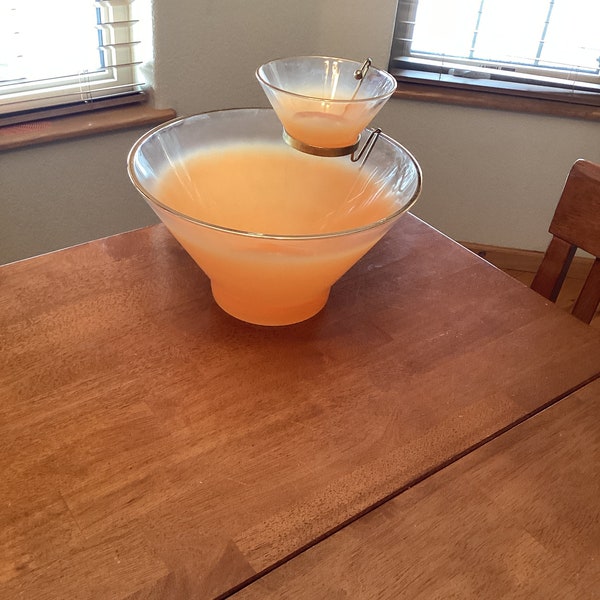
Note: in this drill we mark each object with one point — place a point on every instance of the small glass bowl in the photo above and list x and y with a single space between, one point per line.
319 101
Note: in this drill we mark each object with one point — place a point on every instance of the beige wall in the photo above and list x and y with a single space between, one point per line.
489 177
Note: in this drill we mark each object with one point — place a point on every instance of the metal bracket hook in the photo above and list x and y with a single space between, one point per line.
366 149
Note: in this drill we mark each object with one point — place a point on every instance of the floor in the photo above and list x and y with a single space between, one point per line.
567 295
523 264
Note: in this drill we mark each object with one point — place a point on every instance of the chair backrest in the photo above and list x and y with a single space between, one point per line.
576 224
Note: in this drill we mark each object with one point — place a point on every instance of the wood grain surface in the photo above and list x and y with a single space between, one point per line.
519 518
151 446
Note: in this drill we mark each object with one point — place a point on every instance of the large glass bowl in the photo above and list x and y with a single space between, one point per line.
320 102
280 270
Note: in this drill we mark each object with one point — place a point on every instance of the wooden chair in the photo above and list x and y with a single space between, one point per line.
576 224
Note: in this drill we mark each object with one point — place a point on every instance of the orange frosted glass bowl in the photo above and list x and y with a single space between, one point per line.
319 101
273 228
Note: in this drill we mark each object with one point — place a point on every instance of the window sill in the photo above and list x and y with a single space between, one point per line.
497 100
83 124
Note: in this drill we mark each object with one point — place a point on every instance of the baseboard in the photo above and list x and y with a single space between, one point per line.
514 259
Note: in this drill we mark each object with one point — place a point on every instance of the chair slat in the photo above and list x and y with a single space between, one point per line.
589 297
552 272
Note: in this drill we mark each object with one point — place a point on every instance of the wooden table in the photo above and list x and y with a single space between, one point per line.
518 518
151 446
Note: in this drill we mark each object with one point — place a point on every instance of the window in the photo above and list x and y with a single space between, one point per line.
68 56
548 49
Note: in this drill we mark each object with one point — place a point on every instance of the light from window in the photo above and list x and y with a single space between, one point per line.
37 41
542 42
69 53
537 32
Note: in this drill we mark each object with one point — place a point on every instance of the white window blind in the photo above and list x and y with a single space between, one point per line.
545 48
67 56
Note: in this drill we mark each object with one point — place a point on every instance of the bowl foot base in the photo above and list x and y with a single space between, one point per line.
259 312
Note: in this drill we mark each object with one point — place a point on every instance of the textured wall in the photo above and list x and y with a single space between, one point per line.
490 177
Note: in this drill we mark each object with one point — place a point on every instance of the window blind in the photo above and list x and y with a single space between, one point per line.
68 56
548 48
